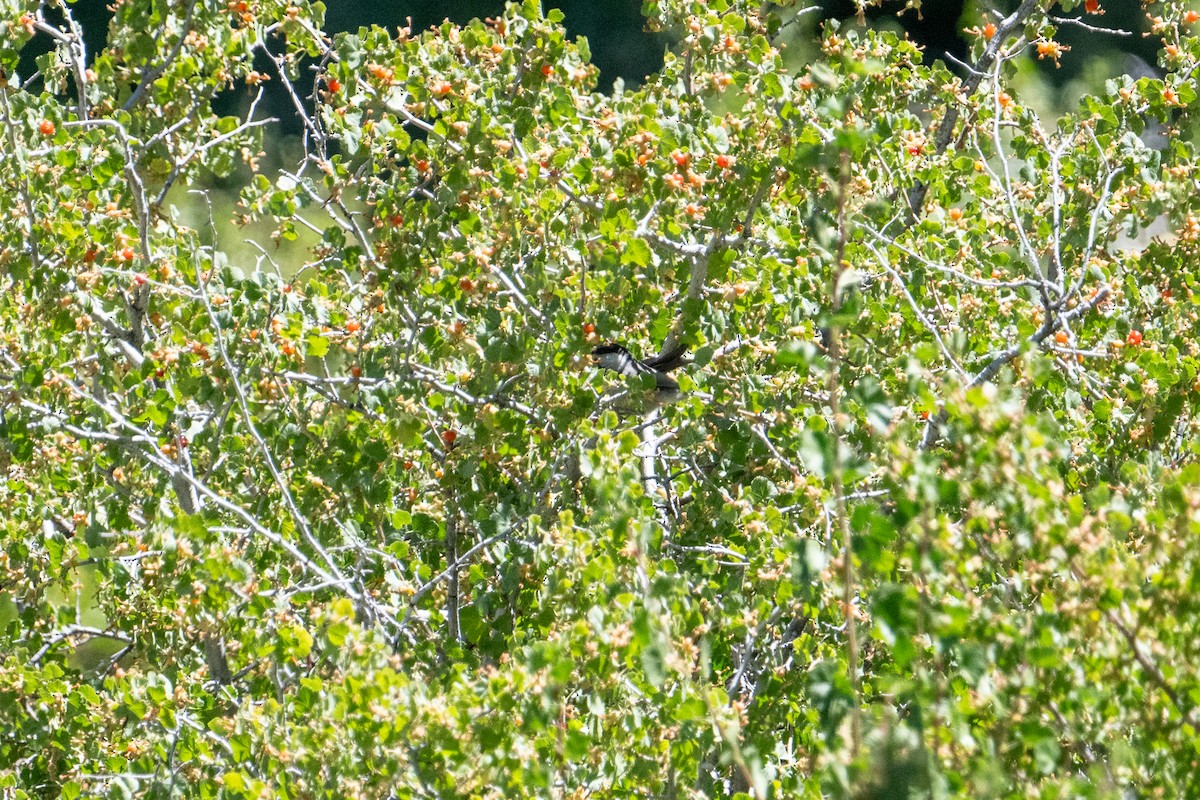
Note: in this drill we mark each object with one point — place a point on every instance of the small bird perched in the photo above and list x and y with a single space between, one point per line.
615 357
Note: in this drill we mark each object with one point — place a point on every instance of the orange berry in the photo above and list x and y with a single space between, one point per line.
547 70
989 30
449 436
681 159
724 161
46 128
1061 337
380 72
1052 50
1134 338
333 85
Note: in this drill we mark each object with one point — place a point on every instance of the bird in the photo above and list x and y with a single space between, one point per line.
616 358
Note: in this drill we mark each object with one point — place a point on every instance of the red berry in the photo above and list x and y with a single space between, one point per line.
140 279
547 70
466 284
1091 6
449 436
334 85
46 128
1134 338
724 161
396 220
681 159
126 254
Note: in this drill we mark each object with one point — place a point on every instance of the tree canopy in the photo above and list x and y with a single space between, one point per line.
356 517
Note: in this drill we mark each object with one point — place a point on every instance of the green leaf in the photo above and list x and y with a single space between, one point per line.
317 345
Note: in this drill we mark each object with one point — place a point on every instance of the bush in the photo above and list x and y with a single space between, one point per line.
919 522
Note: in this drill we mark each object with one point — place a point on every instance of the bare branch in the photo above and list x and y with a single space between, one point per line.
72 41
916 308
1090 28
154 73
22 170
976 74
73 631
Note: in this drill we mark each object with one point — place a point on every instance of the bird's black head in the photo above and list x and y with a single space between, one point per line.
611 348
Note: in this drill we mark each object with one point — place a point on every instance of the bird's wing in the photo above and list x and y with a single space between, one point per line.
671 359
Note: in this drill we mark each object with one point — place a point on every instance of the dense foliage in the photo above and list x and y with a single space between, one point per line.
923 520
